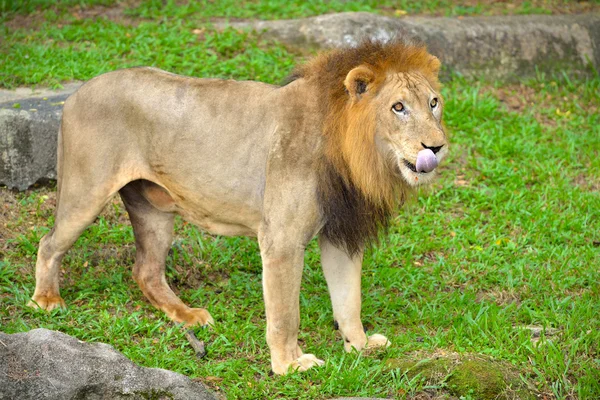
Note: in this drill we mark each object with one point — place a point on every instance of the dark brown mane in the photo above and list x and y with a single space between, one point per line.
357 189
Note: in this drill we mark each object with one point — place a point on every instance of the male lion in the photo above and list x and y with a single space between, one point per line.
331 153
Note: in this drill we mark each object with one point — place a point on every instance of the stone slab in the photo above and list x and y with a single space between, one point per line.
44 364
28 141
29 122
505 47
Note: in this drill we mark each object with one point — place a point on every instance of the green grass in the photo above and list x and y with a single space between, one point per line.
82 50
12 7
274 9
508 238
277 9
53 42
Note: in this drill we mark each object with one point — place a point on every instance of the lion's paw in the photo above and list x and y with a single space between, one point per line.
357 345
377 341
304 362
197 316
47 303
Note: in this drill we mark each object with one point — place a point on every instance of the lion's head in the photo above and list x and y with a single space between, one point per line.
404 114
382 122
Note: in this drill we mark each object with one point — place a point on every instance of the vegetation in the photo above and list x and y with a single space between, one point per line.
276 9
507 242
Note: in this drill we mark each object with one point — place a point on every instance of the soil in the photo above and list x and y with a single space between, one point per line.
521 98
494 7
114 13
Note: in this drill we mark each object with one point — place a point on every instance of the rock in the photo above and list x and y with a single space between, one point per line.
28 132
44 364
467 375
507 47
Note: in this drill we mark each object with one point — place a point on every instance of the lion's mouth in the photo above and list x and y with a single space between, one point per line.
410 166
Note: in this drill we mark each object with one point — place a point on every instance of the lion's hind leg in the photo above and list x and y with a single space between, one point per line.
153 230
78 206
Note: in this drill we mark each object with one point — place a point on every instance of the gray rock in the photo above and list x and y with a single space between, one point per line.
44 364
28 140
507 47
29 120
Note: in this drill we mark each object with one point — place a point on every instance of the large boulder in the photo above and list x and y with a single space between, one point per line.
28 133
44 364
505 47
473 376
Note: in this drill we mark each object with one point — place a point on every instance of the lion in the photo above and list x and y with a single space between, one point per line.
331 153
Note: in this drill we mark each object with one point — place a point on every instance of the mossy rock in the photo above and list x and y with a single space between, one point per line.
153 394
433 370
466 376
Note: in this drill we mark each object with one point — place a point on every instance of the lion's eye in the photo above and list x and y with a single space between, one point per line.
398 107
433 103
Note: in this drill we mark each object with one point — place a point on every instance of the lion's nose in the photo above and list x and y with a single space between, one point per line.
435 149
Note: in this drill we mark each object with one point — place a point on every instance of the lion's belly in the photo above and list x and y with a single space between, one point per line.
245 223
228 217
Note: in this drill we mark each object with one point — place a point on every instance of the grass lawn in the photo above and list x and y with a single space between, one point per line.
509 237
277 9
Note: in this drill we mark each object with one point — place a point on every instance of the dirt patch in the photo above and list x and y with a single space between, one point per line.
24 21
520 98
24 214
115 13
196 275
112 13
8 207
587 182
500 297
20 213
548 105
517 97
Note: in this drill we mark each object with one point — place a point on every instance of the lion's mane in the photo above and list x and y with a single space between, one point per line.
357 190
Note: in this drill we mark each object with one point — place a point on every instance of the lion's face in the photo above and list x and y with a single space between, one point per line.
409 132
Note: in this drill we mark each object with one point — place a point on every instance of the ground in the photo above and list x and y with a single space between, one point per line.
498 261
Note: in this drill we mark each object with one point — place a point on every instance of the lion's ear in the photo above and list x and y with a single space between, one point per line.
358 80
434 65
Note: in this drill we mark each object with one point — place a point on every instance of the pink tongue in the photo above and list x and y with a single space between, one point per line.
426 161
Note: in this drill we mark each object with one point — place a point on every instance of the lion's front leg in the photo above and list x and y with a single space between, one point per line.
282 273
343 275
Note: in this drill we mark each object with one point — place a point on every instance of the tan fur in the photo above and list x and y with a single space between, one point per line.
322 154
